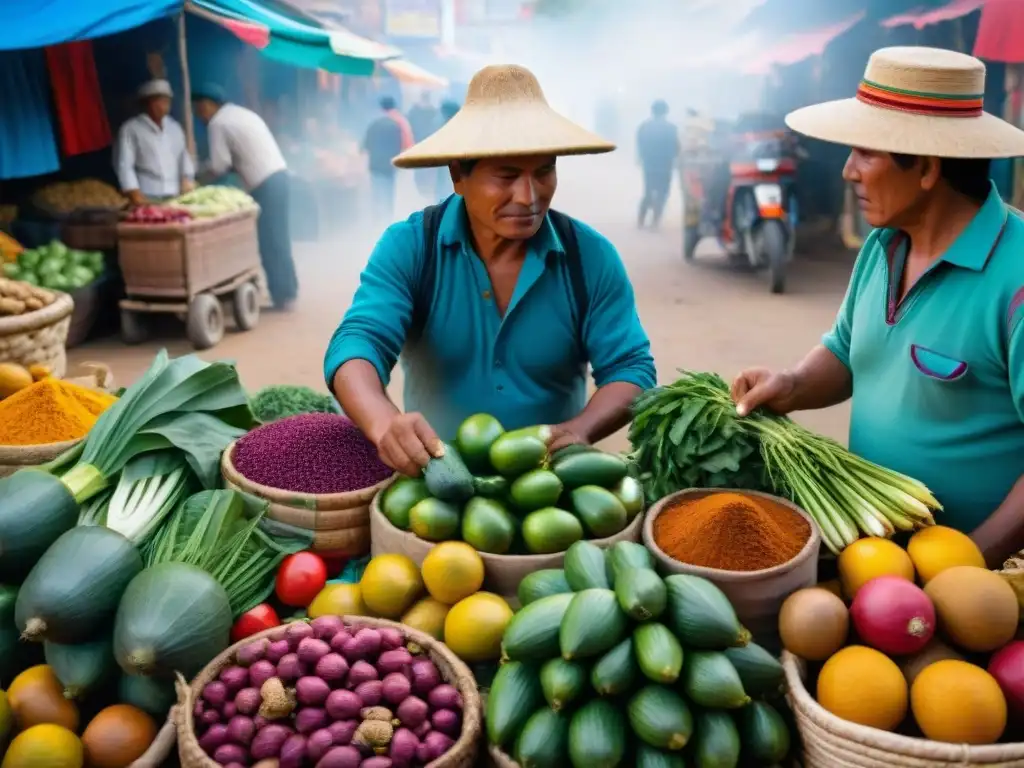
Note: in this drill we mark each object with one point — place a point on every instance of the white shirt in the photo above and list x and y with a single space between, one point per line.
240 139
152 158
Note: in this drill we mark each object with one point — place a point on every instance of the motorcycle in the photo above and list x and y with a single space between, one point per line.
759 222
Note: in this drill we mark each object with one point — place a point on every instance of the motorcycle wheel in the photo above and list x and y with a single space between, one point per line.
691 237
775 252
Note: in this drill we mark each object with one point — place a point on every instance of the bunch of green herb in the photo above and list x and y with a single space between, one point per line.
227 534
283 400
688 435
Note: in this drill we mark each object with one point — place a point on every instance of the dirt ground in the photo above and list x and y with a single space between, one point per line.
701 316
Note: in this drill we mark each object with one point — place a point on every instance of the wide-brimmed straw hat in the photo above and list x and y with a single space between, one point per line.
915 101
505 115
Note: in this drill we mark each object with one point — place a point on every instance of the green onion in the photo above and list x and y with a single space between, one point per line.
148 490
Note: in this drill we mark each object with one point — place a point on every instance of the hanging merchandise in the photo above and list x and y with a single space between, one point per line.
81 116
27 144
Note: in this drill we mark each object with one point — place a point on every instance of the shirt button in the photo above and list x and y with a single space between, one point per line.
500 387
487 294
497 363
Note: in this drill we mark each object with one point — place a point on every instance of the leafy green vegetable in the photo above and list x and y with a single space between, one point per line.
149 489
227 534
282 400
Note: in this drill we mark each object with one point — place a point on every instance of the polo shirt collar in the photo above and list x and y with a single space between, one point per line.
454 230
974 246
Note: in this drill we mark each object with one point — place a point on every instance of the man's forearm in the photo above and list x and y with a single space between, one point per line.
1002 535
607 412
819 381
363 399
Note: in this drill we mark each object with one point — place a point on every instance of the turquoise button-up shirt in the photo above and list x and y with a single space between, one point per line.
525 368
938 379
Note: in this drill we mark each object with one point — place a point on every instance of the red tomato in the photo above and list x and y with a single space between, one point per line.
258 619
300 578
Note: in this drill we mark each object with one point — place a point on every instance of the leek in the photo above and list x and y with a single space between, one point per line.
227 534
148 490
687 434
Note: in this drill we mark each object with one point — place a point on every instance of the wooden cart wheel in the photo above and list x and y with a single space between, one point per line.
246 306
205 324
133 328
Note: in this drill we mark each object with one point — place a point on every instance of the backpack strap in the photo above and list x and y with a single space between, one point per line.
423 293
566 231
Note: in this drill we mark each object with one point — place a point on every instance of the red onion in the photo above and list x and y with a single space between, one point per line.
445 697
311 691
235 678
341 757
213 738
361 672
342 731
425 676
241 729
310 650
433 746
447 721
423 729
293 752
252 652
332 668
215 694
893 615
230 753
248 700
370 692
229 710
290 669
391 638
1007 667
377 762
412 712
343 705
341 637
296 632
277 650
210 717
260 672
325 627
397 660
395 688
402 749
319 743
309 719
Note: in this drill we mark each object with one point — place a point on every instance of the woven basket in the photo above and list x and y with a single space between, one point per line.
15 457
462 754
340 521
38 337
831 742
498 759
161 748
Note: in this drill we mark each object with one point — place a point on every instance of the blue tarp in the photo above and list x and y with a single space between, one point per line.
37 23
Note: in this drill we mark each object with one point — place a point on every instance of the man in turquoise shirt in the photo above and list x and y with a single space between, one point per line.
494 303
929 341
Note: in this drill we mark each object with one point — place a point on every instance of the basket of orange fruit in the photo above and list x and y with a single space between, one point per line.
915 658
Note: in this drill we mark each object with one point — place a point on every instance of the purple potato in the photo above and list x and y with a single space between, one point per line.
447 721
338 641
252 652
296 632
277 650
211 717
412 712
343 705
310 650
391 638
310 719
342 731
361 672
395 688
377 762
231 753
268 741
311 691
425 676
319 744
394 661
341 757
290 669
402 749
260 672
215 694
445 697
235 678
370 692
229 711
241 730
332 668
325 627
215 736
433 746
247 701
293 752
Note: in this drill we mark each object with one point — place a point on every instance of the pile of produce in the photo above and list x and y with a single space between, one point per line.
46 411
608 664
311 453
937 660
158 214
280 401
57 267
15 377
18 297
501 492
67 196
329 695
9 247
687 435
209 201
730 532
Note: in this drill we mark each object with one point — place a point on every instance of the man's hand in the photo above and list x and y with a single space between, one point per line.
757 387
408 443
187 185
565 434
135 197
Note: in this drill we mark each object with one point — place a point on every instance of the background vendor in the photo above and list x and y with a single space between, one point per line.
151 157
501 304
929 341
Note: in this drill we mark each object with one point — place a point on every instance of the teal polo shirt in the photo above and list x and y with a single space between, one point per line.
938 379
525 368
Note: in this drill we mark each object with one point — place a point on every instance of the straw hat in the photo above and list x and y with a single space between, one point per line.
915 101
505 115
155 88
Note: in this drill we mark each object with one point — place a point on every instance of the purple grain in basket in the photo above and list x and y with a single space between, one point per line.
310 453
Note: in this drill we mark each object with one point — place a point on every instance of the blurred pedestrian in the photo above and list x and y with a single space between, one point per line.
385 139
240 140
424 119
657 144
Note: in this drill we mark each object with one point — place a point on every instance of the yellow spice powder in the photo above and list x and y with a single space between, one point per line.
50 411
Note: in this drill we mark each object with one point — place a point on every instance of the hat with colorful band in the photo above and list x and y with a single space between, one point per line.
915 101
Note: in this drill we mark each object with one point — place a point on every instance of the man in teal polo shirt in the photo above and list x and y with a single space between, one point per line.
495 303
929 341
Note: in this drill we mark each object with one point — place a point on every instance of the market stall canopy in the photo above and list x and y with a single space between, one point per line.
1001 32
294 43
39 23
411 74
797 47
920 18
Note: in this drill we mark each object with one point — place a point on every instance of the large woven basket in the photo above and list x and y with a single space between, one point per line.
15 457
462 754
831 742
340 521
38 337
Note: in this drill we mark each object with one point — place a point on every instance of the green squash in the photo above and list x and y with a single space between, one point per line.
35 509
152 695
172 618
82 667
72 593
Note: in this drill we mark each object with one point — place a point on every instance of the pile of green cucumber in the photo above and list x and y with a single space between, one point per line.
502 493
608 664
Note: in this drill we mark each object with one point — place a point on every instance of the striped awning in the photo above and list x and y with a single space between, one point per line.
798 47
921 18
411 74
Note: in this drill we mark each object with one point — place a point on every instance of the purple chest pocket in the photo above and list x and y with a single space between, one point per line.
936 365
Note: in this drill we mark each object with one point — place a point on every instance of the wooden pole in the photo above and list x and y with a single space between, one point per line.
186 87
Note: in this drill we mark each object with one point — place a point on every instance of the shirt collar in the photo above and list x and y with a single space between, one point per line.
974 246
150 123
454 230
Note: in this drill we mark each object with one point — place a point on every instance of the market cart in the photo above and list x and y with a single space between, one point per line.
187 269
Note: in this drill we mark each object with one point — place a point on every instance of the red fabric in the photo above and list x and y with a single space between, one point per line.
81 117
920 19
407 136
1001 32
